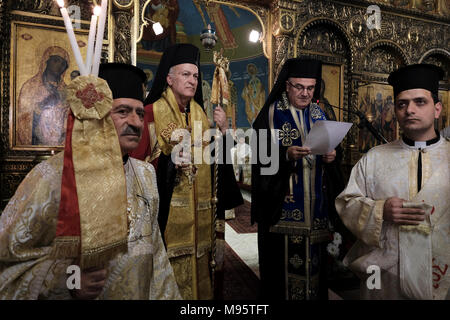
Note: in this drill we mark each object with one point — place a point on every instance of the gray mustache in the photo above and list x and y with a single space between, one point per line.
131 130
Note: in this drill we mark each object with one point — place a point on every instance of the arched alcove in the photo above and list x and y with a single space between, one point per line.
375 99
383 57
326 40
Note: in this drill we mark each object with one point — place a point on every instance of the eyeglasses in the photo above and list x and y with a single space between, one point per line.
301 88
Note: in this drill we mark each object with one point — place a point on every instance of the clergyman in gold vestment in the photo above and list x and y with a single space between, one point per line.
113 235
186 213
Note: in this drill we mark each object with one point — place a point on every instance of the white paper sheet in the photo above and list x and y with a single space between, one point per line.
325 135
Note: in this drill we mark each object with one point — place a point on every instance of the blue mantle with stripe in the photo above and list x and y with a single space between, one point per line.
304 208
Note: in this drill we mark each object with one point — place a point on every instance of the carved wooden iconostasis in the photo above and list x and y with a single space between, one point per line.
361 58
357 59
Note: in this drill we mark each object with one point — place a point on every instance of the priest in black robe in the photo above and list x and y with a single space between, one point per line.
291 205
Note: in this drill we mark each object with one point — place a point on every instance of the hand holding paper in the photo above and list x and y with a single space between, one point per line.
325 135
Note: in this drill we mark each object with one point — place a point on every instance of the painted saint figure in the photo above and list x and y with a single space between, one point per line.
41 111
388 122
206 89
253 94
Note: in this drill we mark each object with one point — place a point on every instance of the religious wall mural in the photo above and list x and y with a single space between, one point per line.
254 93
166 13
376 102
46 66
332 91
184 21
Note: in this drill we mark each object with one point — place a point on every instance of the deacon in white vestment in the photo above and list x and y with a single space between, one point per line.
397 201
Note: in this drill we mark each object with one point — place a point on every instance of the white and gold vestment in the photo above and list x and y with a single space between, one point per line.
414 261
27 231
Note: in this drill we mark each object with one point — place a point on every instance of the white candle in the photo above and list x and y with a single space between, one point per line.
72 39
99 41
91 39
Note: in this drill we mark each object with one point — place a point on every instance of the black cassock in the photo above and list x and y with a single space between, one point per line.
268 195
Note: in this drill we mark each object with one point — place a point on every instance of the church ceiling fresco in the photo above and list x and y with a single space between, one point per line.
184 21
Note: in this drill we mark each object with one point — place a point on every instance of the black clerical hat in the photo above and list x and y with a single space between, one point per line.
416 76
124 80
172 56
304 68
183 53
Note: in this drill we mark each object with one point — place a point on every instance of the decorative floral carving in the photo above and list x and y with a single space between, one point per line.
440 60
297 291
382 60
122 36
323 38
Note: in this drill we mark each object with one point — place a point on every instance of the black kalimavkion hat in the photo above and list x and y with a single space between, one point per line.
416 76
124 80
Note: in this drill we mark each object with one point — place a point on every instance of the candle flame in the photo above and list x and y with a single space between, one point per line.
60 3
97 10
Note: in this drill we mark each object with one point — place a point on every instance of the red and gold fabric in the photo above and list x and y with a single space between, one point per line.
92 222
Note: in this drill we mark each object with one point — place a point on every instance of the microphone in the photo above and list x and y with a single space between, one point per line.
364 122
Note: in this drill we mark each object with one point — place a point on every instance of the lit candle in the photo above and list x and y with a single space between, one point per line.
91 39
72 39
99 41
